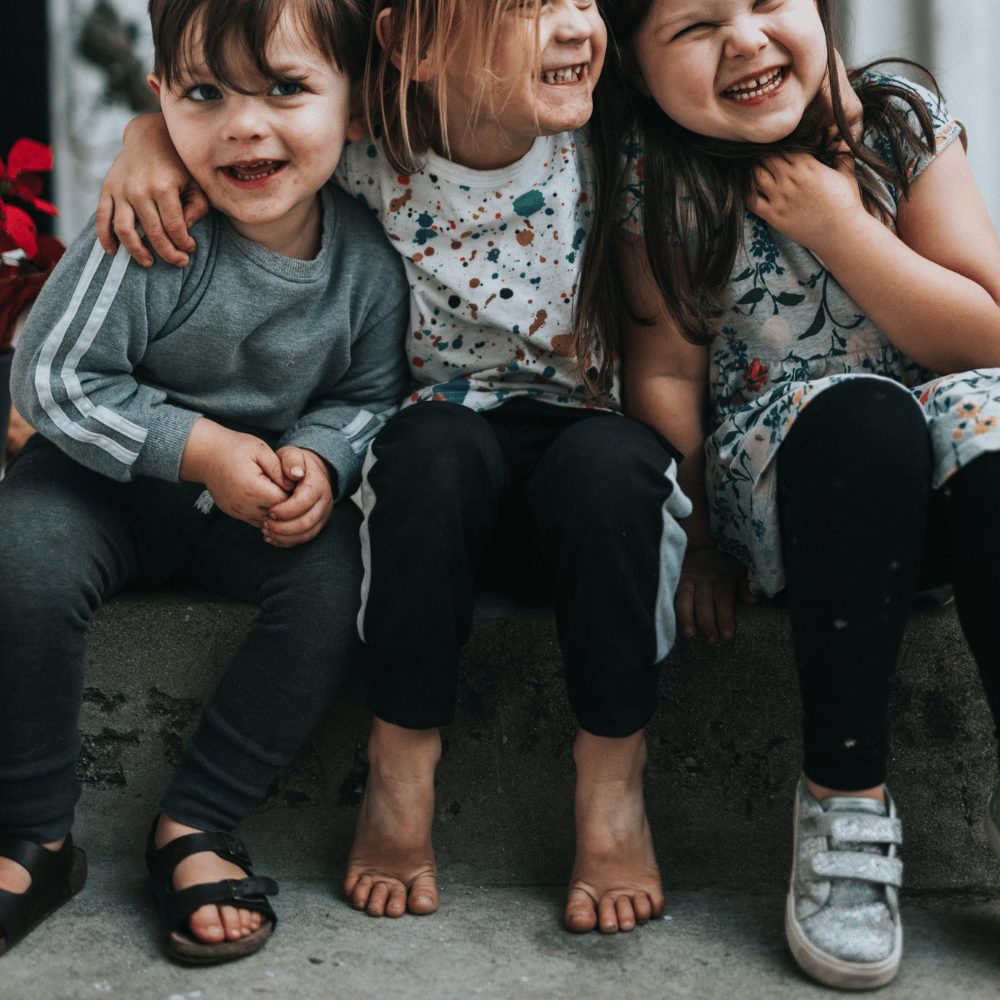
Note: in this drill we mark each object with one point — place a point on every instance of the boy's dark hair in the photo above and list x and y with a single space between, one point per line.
237 31
695 188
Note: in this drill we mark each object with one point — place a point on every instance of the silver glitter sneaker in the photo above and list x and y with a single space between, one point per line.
842 917
993 820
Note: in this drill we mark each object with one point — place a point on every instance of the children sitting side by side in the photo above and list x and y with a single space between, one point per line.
202 425
512 457
814 280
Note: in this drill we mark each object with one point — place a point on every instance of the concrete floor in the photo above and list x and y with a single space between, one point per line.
486 941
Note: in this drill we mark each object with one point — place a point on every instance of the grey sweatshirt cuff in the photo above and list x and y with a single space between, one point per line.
334 449
161 454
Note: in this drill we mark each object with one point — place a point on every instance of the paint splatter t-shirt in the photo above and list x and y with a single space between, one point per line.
493 258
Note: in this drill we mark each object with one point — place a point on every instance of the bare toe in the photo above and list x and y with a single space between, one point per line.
396 905
206 925
625 913
580 915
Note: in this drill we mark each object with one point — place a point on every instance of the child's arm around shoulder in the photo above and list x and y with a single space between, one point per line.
665 381
149 187
933 286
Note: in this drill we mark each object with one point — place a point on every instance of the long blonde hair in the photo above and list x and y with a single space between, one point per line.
412 114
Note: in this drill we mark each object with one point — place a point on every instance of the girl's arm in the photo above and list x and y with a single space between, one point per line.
149 185
665 386
933 287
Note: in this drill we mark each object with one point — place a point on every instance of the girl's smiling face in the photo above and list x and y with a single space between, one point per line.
740 70
540 81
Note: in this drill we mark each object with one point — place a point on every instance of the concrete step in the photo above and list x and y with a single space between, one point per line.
494 943
724 751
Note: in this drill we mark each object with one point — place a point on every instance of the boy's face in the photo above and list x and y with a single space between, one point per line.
261 157
519 104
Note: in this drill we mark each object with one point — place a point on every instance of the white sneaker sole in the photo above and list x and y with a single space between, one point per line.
833 971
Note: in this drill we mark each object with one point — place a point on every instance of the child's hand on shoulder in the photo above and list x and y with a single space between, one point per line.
706 595
806 200
303 514
149 186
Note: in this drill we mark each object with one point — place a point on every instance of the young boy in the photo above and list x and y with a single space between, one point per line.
201 424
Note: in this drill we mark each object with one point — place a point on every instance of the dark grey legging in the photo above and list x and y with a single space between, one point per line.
69 539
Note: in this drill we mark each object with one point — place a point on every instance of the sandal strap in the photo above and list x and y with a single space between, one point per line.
176 905
855 865
161 861
248 894
40 862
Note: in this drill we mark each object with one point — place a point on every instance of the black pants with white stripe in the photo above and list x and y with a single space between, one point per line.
70 539
581 505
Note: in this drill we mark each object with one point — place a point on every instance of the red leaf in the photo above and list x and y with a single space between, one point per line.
21 229
27 155
50 250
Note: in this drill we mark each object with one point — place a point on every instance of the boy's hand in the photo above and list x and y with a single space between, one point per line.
304 514
149 183
806 200
240 471
706 594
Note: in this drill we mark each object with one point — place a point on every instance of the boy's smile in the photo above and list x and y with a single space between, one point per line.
733 69
262 153
524 95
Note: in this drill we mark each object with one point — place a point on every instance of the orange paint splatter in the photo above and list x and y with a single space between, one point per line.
475 283
538 322
563 345
525 237
395 204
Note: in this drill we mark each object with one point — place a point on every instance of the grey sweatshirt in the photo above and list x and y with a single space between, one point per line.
117 362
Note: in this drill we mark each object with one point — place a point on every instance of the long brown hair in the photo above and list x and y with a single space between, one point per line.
696 189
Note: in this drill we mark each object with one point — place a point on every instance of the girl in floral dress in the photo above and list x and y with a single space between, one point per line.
819 260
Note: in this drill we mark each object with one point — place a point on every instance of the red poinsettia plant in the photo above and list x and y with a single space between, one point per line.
27 257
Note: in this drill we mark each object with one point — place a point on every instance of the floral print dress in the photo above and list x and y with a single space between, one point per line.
786 332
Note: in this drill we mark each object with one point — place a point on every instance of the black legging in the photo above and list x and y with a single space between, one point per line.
857 516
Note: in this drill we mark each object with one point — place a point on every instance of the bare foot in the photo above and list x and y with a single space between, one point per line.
391 865
615 882
15 877
210 924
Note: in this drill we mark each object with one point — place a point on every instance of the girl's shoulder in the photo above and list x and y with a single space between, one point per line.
905 96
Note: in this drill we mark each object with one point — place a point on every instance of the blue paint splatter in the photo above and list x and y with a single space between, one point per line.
494 255
529 203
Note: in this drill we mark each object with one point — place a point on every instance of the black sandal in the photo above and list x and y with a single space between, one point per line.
56 876
176 905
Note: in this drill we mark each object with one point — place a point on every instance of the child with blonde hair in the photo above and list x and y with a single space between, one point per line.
510 458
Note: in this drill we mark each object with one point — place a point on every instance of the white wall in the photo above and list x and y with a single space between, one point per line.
956 40
86 129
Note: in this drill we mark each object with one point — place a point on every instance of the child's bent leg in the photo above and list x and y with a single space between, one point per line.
430 497
66 543
853 490
606 506
271 695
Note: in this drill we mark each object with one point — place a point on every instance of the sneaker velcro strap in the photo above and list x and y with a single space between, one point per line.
854 829
857 865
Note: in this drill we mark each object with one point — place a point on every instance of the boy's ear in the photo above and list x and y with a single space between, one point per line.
426 69
154 84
